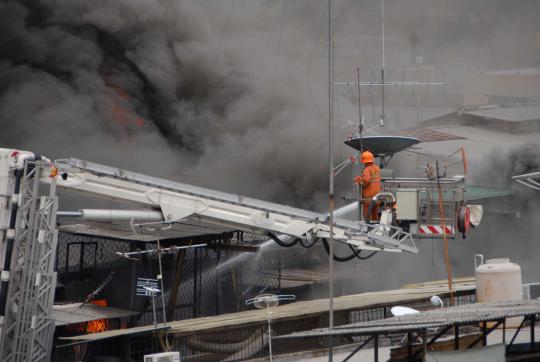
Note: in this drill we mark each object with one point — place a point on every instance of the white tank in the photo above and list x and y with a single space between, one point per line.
499 280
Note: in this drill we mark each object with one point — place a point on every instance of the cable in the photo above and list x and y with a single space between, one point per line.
283 243
363 257
337 258
354 254
307 244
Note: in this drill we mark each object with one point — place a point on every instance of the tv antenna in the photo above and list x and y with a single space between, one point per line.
269 301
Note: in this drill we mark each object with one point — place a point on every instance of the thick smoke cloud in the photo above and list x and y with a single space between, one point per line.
232 95
154 86
498 167
225 94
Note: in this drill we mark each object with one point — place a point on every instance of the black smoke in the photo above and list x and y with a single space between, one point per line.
232 94
224 94
151 86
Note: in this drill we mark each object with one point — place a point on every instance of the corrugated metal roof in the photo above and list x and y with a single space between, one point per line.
508 114
430 135
518 71
470 313
77 313
292 311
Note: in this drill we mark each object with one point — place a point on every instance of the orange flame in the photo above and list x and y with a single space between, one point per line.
121 112
99 325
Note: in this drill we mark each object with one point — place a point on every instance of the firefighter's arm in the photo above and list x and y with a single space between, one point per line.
364 179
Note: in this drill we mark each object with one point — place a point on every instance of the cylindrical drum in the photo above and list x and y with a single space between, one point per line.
499 280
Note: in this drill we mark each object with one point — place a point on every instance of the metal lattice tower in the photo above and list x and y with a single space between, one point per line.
28 328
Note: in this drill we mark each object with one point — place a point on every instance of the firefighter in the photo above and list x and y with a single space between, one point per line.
371 184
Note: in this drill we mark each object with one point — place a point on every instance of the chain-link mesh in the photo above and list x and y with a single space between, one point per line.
208 281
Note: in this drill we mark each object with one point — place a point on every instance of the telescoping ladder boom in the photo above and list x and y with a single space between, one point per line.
28 232
179 202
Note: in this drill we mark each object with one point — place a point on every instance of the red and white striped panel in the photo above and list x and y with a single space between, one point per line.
435 230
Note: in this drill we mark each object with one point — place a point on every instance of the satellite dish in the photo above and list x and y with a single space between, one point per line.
399 311
436 301
381 145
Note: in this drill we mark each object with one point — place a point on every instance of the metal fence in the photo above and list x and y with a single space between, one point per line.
202 286
206 282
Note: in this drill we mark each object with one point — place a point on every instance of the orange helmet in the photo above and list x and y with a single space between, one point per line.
367 157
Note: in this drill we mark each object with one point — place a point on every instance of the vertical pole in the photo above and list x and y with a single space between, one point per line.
504 331
417 92
456 337
376 348
173 294
445 237
360 121
424 345
195 255
161 280
409 346
383 66
6 262
484 333
269 331
331 174
383 59
279 270
533 319
382 98
361 131
81 257
154 309
132 279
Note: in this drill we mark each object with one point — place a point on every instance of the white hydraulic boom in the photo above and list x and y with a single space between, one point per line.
180 202
28 231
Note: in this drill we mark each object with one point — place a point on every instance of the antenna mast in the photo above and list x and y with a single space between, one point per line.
361 132
331 174
382 68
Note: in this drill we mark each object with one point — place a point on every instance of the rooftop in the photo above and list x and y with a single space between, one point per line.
298 310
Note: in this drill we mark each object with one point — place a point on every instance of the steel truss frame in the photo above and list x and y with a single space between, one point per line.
28 329
531 180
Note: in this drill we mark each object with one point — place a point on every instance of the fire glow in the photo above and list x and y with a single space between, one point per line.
95 326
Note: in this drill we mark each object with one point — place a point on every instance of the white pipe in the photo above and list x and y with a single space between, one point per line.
68 213
120 215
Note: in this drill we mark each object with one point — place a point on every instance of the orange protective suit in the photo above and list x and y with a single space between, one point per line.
371 186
